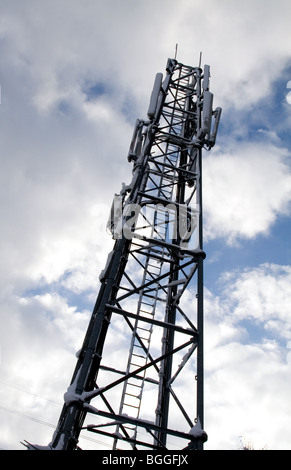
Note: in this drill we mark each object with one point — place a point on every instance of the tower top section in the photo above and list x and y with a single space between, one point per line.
194 84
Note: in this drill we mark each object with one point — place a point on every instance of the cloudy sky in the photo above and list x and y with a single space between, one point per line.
74 77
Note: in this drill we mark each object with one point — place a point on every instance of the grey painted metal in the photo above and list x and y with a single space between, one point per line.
152 396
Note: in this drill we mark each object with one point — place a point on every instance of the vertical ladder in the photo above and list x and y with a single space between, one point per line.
139 352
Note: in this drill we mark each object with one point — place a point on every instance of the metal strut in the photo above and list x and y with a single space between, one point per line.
151 397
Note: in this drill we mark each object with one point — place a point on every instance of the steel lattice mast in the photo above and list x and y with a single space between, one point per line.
150 301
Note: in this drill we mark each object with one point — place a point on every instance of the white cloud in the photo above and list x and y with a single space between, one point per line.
246 379
39 337
262 295
246 45
246 384
245 188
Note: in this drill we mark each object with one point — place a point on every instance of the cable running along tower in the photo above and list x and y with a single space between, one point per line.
139 373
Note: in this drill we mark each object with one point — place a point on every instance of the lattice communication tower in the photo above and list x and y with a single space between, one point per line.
139 373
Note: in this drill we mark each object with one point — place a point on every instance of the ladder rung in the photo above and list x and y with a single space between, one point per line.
143 329
132 395
139 355
134 364
148 313
131 406
133 385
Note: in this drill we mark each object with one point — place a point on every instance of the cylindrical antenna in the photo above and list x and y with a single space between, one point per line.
200 59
